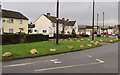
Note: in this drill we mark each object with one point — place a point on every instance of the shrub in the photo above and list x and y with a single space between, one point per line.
36 38
12 38
22 38
84 35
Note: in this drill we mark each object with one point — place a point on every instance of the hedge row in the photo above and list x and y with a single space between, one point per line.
22 38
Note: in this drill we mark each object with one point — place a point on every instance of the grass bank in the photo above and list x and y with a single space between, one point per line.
23 50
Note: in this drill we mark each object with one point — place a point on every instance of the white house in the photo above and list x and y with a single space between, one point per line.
46 24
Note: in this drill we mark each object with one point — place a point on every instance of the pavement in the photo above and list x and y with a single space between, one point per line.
102 59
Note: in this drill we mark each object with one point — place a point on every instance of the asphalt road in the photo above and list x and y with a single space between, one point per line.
96 60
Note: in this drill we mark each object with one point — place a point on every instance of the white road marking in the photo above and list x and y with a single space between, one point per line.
87 55
100 60
23 64
17 65
53 60
53 68
57 62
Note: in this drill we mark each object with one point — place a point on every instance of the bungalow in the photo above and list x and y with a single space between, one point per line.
46 24
13 22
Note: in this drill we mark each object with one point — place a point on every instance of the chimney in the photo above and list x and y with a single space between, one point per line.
67 20
48 14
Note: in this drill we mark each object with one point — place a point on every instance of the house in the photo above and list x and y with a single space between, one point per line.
87 29
14 22
46 24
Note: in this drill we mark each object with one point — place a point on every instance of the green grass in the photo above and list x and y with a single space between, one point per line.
107 40
22 50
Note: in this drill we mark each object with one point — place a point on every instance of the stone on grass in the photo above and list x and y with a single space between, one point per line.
52 50
81 46
81 39
92 41
33 51
89 45
7 54
101 40
111 40
70 47
88 39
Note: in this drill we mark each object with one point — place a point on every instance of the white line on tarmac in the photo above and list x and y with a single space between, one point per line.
87 55
53 68
23 64
100 60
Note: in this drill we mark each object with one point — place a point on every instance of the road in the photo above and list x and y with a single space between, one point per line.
102 59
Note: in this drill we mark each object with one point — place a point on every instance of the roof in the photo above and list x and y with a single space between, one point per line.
13 14
54 19
85 27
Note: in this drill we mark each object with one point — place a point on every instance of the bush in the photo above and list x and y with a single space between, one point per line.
98 35
84 35
12 38
36 38
61 36
22 38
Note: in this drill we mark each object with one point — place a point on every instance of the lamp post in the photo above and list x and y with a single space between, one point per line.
103 24
97 21
57 25
93 20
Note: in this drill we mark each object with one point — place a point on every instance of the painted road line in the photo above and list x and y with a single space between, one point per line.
57 62
69 66
100 60
54 60
17 65
23 64
87 55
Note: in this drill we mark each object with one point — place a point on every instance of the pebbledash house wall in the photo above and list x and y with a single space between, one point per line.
15 25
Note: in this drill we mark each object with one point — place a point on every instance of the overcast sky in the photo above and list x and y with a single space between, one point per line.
81 11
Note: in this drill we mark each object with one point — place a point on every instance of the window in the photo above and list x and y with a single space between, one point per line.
21 21
44 31
10 20
35 30
10 30
3 20
21 29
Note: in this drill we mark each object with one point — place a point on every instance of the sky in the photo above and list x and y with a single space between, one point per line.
81 11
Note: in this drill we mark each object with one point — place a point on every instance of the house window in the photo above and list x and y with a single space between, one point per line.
11 20
10 30
44 31
21 29
35 30
53 25
3 20
21 21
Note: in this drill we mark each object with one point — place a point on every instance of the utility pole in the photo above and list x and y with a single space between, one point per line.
57 25
103 24
93 21
97 21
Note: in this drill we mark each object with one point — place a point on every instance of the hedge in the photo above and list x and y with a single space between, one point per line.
62 36
22 38
36 38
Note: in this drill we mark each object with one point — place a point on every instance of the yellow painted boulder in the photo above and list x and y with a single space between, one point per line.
6 54
33 51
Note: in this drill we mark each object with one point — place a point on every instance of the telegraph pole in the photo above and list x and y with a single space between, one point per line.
57 25
93 20
97 21
103 24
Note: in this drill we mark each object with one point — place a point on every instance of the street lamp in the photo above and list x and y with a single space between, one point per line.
93 21
57 25
103 24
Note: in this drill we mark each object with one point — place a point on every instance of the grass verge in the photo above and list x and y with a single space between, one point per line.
23 50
